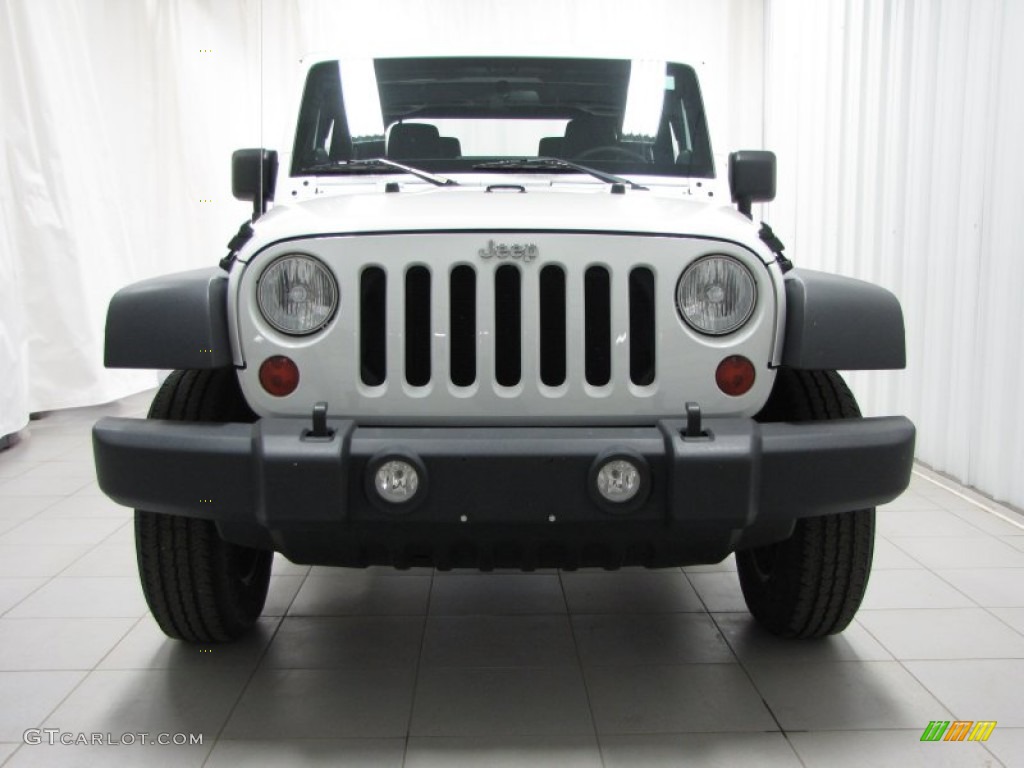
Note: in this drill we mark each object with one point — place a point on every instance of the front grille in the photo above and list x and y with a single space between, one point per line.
417 326
507 325
462 326
508 329
552 320
641 326
598 324
372 326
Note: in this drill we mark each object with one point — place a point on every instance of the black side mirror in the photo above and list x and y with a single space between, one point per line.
253 177
751 178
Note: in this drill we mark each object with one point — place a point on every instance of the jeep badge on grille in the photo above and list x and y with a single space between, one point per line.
525 252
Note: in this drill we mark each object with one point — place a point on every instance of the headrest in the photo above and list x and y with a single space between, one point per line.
450 146
414 141
587 132
551 146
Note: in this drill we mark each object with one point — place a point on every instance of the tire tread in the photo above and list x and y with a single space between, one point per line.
821 571
184 565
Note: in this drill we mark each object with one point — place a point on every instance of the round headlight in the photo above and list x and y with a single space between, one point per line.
716 295
297 294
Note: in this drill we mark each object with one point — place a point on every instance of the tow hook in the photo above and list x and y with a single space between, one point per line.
320 430
694 430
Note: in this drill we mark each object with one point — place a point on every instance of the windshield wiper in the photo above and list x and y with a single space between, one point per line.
342 166
527 163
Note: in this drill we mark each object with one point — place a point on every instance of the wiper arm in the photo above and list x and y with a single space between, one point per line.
555 162
376 162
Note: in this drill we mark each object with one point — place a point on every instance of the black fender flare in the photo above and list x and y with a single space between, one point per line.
839 323
170 322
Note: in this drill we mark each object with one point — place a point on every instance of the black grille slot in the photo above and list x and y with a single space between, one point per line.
372 321
552 325
508 344
462 285
598 325
641 326
417 326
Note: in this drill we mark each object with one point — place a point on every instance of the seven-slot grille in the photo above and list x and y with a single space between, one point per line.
496 317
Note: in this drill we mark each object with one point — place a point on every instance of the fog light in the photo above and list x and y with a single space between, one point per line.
396 481
618 481
279 375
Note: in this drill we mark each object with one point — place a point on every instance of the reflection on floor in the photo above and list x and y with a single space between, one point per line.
384 668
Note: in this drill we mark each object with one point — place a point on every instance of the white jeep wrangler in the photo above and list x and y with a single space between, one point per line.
491 314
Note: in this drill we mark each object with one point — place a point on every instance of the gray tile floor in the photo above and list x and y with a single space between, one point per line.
381 668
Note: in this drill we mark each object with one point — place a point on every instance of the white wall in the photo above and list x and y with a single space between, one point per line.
899 129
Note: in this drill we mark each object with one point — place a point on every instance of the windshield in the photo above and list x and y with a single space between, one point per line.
456 114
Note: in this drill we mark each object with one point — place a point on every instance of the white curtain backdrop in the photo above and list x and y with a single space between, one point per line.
899 128
110 150
897 124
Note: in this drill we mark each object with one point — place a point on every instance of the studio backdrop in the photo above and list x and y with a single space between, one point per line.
897 126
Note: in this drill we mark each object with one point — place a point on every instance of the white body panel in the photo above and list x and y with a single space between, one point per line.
354 204
574 225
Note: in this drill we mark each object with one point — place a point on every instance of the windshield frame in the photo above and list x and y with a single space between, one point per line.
323 134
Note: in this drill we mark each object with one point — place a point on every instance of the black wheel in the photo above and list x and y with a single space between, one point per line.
199 587
811 584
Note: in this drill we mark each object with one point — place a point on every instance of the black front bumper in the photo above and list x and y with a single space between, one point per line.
519 497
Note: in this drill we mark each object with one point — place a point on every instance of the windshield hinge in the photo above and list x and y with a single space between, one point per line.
775 245
235 244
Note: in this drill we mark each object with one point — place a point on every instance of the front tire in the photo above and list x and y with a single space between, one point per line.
199 587
811 584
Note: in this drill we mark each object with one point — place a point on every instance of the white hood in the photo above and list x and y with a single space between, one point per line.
581 207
